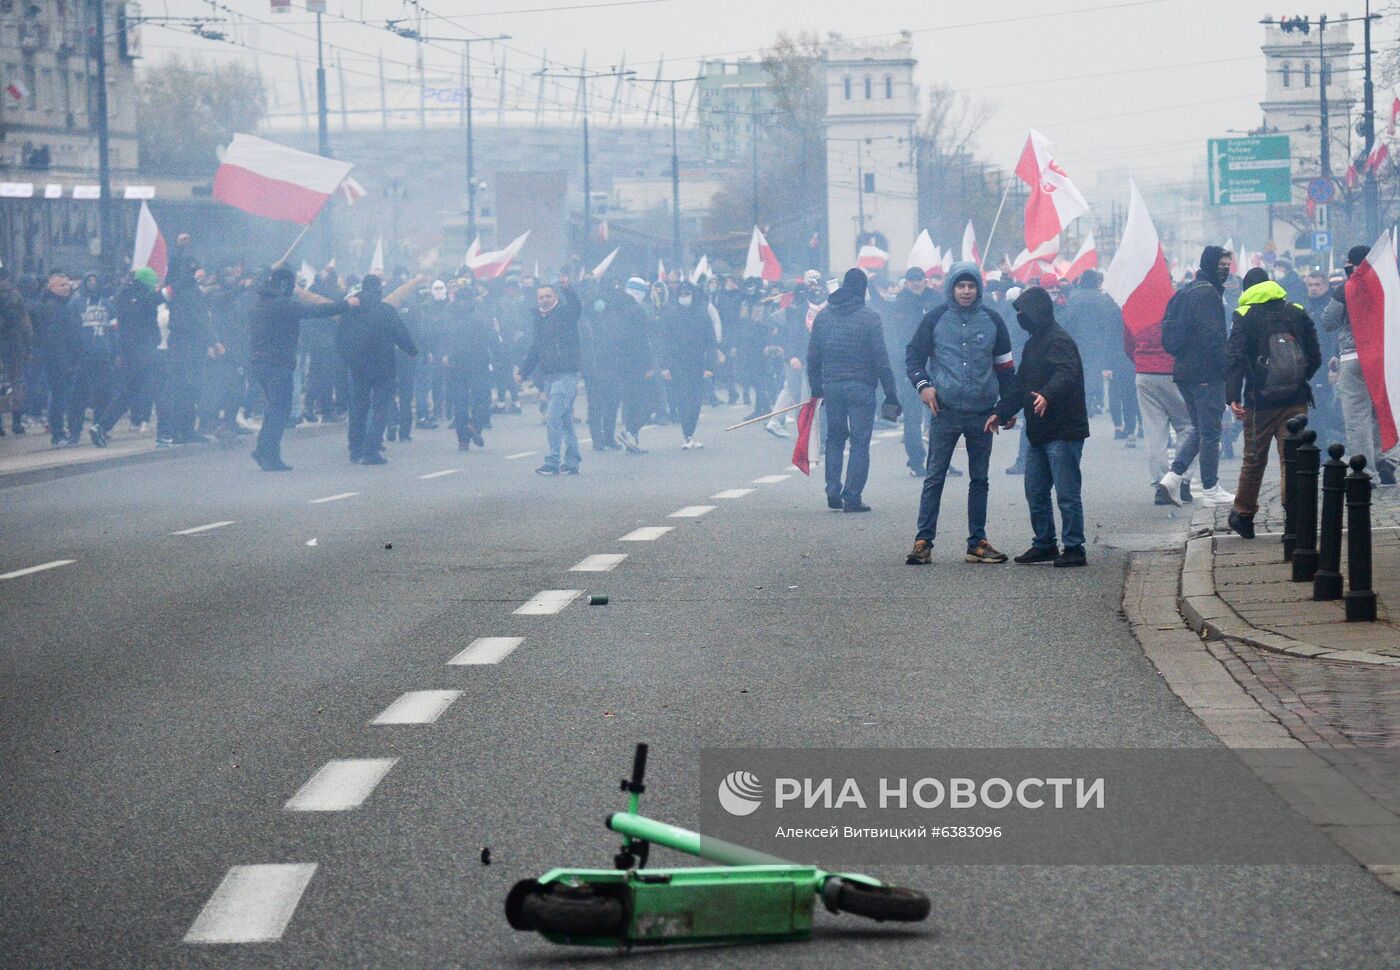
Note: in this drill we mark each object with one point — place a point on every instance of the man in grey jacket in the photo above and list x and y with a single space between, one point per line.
1363 433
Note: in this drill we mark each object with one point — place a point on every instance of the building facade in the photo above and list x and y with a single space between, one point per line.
733 96
1305 62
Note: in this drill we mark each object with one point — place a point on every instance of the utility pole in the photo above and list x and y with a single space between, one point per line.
676 249
1370 191
1324 129
104 161
753 148
860 189
323 137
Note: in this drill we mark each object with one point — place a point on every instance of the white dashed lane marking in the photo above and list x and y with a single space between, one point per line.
253 904
203 528
732 493
486 650
445 471
340 785
771 479
549 601
647 533
418 707
599 563
334 498
30 570
691 512
522 454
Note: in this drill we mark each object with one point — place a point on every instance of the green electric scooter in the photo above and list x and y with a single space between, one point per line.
750 897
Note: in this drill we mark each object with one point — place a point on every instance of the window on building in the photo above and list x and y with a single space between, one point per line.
869 180
31 81
846 83
889 88
868 93
1307 74
1287 73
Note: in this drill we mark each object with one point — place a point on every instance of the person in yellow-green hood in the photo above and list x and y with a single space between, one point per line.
1272 355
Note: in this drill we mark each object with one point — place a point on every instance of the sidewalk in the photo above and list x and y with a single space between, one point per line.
1241 589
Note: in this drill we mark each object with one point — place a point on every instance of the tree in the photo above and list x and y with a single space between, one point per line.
954 185
187 110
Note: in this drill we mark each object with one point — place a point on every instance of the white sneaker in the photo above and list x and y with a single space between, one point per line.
1171 481
688 444
1215 495
777 430
692 444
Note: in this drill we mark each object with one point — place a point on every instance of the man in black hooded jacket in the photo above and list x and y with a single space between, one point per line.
846 358
365 339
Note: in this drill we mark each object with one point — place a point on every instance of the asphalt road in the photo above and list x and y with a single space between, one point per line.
166 695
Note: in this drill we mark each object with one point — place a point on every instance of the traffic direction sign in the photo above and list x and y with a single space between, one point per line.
1251 170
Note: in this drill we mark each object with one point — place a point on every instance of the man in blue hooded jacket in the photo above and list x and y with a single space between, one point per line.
960 362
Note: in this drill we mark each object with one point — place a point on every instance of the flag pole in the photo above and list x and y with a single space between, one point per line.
992 235
765 417
292 248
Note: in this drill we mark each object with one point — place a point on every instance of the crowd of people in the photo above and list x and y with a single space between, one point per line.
216 353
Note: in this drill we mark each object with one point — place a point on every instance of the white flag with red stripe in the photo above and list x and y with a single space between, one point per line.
1030 264
1087 258
473 251
924 255
1053 202
352 191
761 262
494 264
701 270
970 253
1138 278
602 267
1373 306
150 245
872 257
276 182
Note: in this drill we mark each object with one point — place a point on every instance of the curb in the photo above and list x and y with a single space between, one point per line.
1211 617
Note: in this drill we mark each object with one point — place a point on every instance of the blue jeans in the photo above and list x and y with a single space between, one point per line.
943 433
1205 403
1055 463
850 414
559 422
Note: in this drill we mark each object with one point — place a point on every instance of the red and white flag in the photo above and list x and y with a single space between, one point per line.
970 252
376 262
16 90
872 257
1377 158
701 270
1031 263
1353 177
352 191
805 416
493 265
1053 202
150 245
924 255
1373 305
602 267
1086 258
660 269
947 263
276 182
761 262
603 231
473 251
1138 279
1394 115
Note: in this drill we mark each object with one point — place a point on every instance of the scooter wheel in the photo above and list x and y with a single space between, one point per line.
570 911
879 903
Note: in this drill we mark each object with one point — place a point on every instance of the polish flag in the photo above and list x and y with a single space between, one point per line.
947 263
761 262
1053 202
602 267
493 265
872 257
276 182
1373 304
17 91
1138 279
473 251
603 231
1394 114
701 270
660 269
1377 158
1353 177
376 263
150 245
924 255
352 191
1030 263
805 416
1086 258
970 253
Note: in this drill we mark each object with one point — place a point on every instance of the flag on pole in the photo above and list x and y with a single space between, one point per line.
1030 263
1087 258
1373 305
376 263
352 191
17 91
1377 158
947 263
276 182
805 414
702 270
1353 177
924 255
494 264
603 231
970 253
1138 279
150 244
1053 202
761 261
602 267
872 257
473 251
660 269
1394 114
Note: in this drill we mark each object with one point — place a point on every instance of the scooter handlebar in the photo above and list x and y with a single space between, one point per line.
639 769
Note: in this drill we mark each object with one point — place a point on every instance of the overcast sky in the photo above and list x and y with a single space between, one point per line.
1116 84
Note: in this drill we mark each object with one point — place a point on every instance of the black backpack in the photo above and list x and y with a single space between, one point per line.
1175 337
1281 367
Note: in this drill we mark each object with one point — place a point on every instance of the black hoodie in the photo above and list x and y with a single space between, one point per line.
1202 322
848 342
367 336
1051 367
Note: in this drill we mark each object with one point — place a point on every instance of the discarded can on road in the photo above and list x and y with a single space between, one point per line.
598 599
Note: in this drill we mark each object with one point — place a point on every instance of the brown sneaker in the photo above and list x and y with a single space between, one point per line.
921 554
983 552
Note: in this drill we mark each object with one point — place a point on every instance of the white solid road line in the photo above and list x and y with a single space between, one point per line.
691 512
771 479
599 563
445 471
202 528
28 570
523 454
418 707
340 785
732 493
549 601
253 904
486 650
647 533
334 498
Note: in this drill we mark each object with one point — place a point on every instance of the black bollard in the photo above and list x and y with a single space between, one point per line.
1360 598
1291 441
1304 502
1327 582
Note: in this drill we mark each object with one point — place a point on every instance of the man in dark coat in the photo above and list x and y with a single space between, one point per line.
138 337
625 336
58 332
554 362
1050 388
689 354
467 349
367 338
846 359
15 340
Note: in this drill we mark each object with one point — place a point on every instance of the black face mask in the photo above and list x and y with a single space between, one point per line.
1348 270
1025 322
